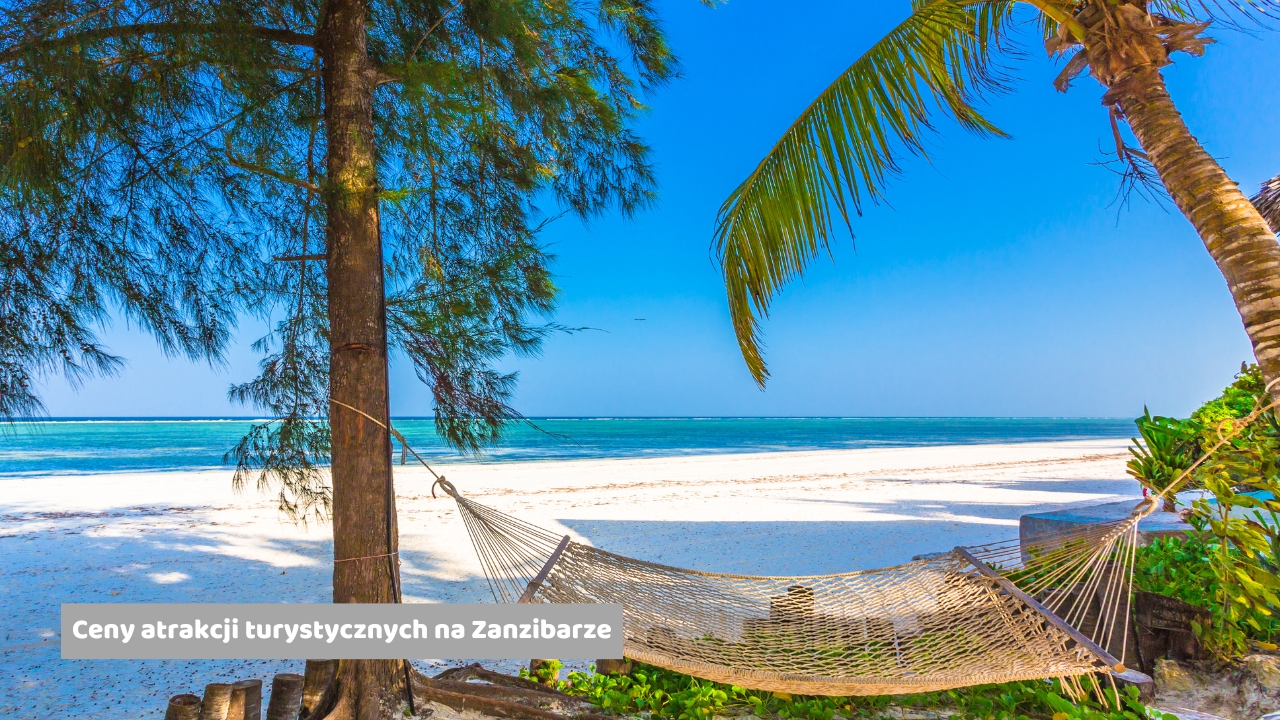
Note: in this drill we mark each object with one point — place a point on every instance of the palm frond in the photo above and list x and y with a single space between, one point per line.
843 148
1235 14
1268 203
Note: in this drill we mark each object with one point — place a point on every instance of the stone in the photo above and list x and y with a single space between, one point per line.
1265 669
1169 676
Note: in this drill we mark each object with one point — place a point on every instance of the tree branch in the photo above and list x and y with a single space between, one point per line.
238 163
286 37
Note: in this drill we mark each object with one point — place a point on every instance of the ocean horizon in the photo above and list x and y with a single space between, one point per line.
92 445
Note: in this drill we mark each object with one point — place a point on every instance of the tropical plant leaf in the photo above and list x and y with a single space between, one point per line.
842 149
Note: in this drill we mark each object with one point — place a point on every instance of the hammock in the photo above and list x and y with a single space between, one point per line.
1055 607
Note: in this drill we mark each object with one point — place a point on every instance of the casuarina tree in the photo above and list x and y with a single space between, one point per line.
941 60
360 173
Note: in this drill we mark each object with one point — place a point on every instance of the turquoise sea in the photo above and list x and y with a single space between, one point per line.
61 446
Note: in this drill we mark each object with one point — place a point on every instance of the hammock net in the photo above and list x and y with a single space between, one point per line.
1053 607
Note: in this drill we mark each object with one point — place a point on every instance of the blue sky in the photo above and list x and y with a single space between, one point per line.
1003 280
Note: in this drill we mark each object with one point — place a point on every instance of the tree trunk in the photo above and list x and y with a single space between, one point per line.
364 531
1236 235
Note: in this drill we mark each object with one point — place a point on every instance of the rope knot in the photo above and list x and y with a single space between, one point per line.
446 486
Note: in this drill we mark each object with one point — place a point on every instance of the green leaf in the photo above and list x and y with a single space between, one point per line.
841 150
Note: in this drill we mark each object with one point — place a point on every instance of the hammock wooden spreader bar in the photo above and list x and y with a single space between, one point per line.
1049 617
536 582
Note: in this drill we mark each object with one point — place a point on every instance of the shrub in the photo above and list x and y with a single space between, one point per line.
667 694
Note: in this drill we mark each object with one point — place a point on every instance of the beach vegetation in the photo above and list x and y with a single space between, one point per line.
660 693
944 60
360 175
1227 563
1167 449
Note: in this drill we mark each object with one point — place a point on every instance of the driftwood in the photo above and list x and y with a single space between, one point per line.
183 707
286 697
501 701
475 671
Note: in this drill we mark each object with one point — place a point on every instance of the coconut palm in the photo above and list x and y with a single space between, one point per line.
942 60
1268 202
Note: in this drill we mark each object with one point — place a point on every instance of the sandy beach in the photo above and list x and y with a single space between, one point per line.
186 537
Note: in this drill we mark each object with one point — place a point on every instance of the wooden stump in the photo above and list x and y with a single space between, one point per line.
613 667
246 701
319 676
183 707
286 697
536 665
217 698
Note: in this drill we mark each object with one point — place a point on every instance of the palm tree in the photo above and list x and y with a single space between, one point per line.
1268 202
942 60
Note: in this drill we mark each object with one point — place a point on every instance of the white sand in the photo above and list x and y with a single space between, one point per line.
185 537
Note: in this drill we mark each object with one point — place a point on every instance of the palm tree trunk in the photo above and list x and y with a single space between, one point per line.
1236 235
364 531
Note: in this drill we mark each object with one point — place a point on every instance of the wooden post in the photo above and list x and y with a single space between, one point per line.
246 701
536 664
319 676
286 697
217 698
613 667
183 707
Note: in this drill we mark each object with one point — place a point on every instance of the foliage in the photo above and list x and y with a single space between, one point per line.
939 63
1227 566
1168 448
1177 568
845 145
1241 554
1236 401
545 673
667 694
156 158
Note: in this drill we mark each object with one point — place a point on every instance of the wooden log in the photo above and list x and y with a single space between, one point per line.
286 697
613 667
217 698
318 677
426 692
475 671
183 707
246 701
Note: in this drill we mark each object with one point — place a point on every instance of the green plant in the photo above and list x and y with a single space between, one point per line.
1168 448
1241 556
546 673
1177 568
666 694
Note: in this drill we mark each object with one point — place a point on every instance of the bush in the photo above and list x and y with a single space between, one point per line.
666 694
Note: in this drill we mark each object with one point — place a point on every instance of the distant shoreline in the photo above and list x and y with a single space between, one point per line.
101 446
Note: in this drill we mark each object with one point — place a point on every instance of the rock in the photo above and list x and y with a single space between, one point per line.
1265 669
1171 677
